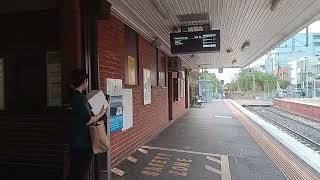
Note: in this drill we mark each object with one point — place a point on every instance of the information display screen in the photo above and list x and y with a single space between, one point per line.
193 42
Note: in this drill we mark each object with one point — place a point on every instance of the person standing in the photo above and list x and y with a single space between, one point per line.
79 118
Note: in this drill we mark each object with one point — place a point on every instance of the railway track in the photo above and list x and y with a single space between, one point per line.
284 116
299 135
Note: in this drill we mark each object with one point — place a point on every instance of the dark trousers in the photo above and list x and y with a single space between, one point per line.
80 165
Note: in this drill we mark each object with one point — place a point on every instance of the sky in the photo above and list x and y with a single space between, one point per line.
229 73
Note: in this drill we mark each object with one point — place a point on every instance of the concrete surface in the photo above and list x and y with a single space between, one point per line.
208 143
254 102
307 101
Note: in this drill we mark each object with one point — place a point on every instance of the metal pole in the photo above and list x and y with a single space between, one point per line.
307 86
307 83
314 87
253 87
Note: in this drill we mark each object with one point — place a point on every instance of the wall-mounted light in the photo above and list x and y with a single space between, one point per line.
234 61
274 4
229 50
245 45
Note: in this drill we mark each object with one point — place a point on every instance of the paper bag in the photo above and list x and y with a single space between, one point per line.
99 138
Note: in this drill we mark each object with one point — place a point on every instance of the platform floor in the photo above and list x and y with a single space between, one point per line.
309 101
255 102
208 143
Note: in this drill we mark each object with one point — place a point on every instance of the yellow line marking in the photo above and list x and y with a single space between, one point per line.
213 159
117 171
212 169
132 159
182 151
143 151
291 168
225 168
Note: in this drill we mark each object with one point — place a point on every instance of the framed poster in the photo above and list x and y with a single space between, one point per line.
54 84
132 70
179 88
127 108
2 84
162 79
116 114
113 86
182 88
147 86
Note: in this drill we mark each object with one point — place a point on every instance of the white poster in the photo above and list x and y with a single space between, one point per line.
97 99
147 86
114 86
2 105
127 108
54 87
182 88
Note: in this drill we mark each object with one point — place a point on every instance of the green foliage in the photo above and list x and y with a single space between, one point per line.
284 84
262 81
205 75
194 78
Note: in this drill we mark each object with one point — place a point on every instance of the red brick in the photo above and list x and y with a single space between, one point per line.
148 119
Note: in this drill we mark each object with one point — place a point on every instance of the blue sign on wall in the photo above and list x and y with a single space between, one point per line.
116 123
116 114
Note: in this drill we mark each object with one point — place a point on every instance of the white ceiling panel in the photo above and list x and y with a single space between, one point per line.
238 21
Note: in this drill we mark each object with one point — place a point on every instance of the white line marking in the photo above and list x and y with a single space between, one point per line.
308 155
182 151
226 117
132 159
143 151
213 159
225 168
213 169
117 171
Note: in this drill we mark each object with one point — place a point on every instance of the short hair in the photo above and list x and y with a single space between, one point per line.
78 77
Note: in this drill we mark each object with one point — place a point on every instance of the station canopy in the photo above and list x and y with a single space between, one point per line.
248 28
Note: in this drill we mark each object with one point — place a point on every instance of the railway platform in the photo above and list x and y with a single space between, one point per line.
221 140
307 107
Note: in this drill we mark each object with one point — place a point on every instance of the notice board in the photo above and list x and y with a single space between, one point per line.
54 84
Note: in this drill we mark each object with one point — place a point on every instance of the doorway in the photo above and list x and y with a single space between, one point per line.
170 95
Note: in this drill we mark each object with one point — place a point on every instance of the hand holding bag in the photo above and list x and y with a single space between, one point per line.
99 138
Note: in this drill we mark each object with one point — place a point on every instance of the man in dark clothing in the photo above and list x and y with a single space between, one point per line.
79 117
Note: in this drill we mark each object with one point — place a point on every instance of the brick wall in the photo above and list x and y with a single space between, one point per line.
301 109
147 119
178 108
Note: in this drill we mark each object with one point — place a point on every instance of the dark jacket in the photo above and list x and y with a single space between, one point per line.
78 113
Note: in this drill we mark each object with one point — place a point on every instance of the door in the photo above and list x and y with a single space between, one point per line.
170 95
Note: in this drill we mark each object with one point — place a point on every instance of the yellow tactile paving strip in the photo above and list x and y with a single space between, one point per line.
291 168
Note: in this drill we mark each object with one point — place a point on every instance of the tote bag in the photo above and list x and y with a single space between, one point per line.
99 138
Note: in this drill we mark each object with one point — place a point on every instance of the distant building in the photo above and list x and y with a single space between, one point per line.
296 60
283 73
298 46
260 67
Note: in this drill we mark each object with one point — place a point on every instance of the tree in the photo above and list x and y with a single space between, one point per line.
284 84
215 85
194 78
262 81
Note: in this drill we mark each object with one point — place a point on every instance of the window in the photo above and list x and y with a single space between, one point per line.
131 54
162 69
154 67
316 36
317 44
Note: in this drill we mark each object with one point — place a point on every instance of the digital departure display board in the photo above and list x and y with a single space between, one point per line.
193 42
